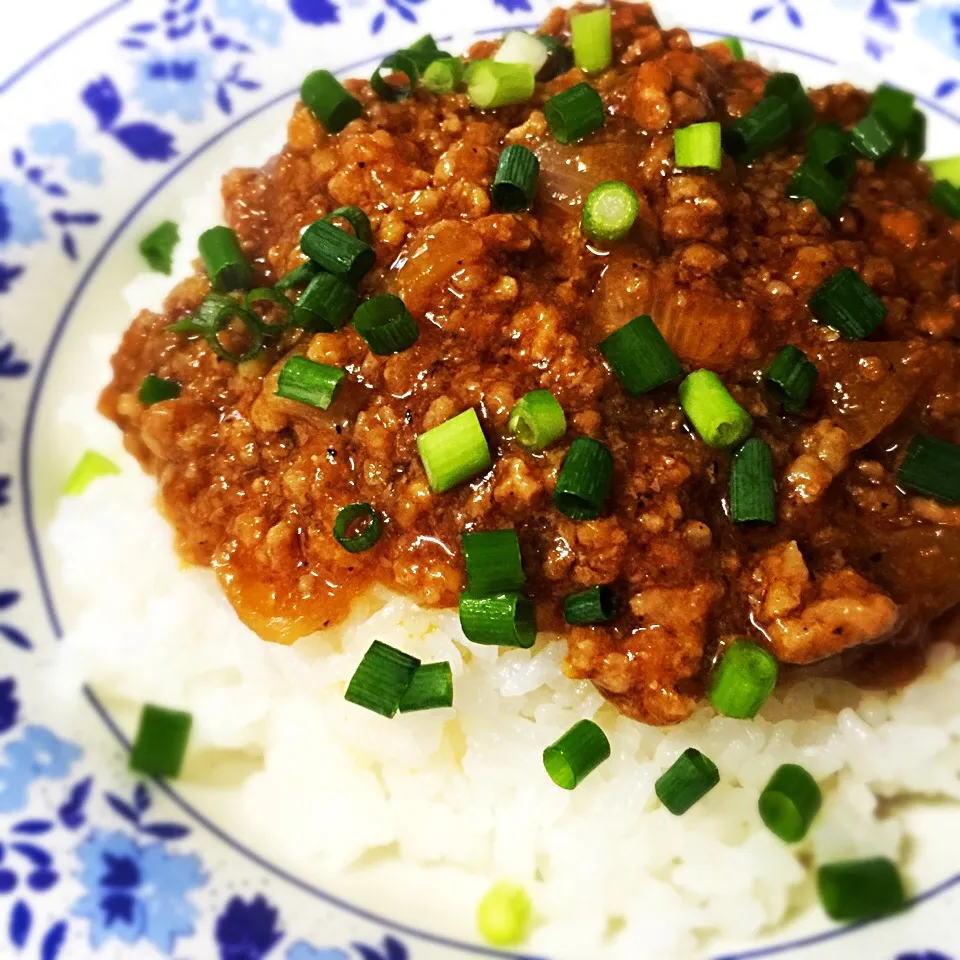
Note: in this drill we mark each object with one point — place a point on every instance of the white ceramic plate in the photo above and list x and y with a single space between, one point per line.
103 135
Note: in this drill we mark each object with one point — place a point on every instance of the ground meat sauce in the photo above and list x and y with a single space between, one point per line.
508 303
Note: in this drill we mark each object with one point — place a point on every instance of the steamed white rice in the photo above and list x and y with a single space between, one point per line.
419 815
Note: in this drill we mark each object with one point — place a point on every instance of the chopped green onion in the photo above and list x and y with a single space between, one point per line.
609 211
596 605
155 389
742 680
575 113
503 915
791 378
520 47
734 46
161 742
591 36
216 314
537 420
576 754
401 64
699 145
298 276
788 87
873 138
893 106
515 184
158 245
559 60
640 357
813 182
946 168
766 126
931 467
276 298
386 325
491 84
915 139
430 689
753 493
454 451
946 197
829 147
423 52
358 220
860 889
493 561
584 481
789 803
305 381
382 678
325 305
691 777
717 417
337 251
847 304
444 75
357 527
329 101
91 466
227 267
498 619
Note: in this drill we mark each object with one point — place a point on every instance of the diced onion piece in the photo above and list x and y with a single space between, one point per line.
491 84
503 915
329 101
161 742
584 481
699 145
430 689
860 889
753 493
90 467
576 754
306 381
790 802
742 680
382 679
596 605
454 451
931 467
537 420
847 304
493 561
688 781
591 35
499 620
718 418
520 47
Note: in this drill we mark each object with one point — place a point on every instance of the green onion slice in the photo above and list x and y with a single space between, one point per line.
894 106
873 138
443 76
609 211
816 183
789 88
156 389
559 59
766 126
640 357
915 139
717 417
503 915
946 197
382 678
386 325
90 467
491 84
337 251
314 384
493 562
591 35
847 304
358 220
742 680
515 183
753 493
297 277
424 51
397 64
791 378
499 619
596 605
537 421
227 267
161 741
946 168
584 481
357 527
691 777
790 802
699 145
931 468
860 889
216 314
454 451
274 297
576 754
329 101
829 147
430 689
158 245
734 45
575 113
325 305
520 47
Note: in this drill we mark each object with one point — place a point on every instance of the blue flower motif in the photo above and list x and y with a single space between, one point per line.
940 25
302 950
9 705
38 754
247 931
261 22
178 84
136 892
20 220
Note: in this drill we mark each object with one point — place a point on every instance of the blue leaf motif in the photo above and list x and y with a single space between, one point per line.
395 950
12 634
315 12
53 941
760 13
178 33
123 808
146 141
5 480
55 190
104 100
8 597
42 880
132 43
33 828
69 244
924 955
166 831
143 28
946 88
36 855
378 22
7 276
21 919
223 100
513 5
19 157
10 366
793 15
71 812
406 13
141 798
